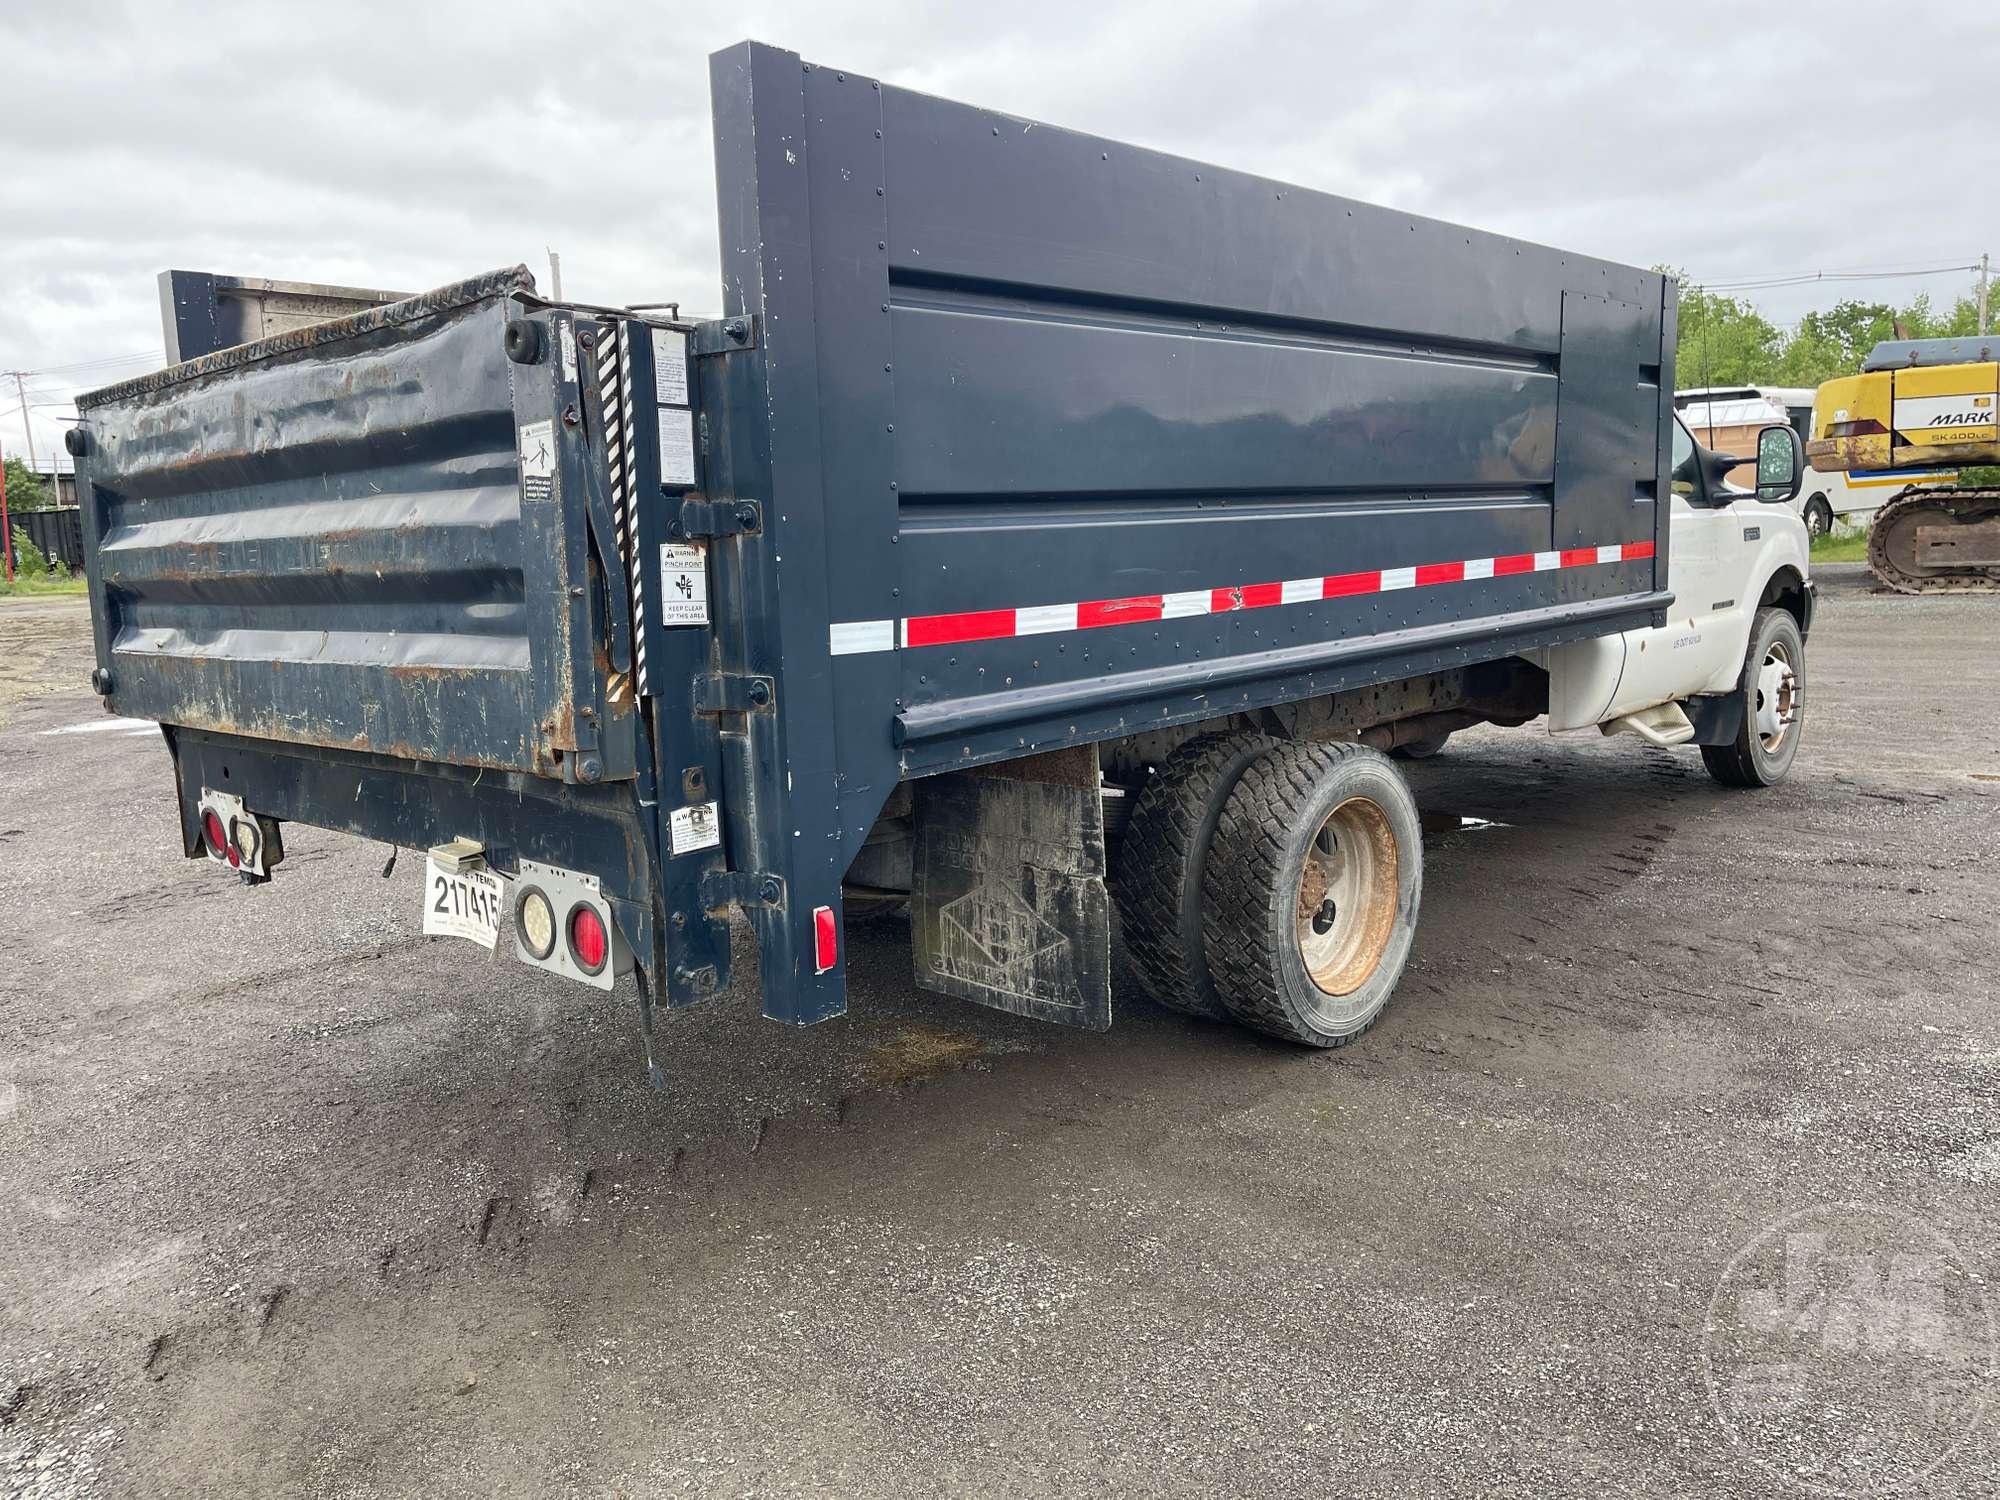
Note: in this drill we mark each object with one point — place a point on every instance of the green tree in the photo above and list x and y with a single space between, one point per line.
27 490
1723 341
1726 341
28 559
1832 343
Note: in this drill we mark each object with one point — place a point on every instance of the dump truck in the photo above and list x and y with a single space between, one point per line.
1918 406
1047 531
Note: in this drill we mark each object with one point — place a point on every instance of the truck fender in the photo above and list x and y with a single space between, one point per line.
1788 589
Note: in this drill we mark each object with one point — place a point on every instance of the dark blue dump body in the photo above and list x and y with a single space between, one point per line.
1004 367
1043 439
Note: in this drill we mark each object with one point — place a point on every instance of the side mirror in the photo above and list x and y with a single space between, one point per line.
1780 465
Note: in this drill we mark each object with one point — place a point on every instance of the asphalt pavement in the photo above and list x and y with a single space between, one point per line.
301 1202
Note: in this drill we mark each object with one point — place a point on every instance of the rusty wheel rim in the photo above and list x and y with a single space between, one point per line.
1347 897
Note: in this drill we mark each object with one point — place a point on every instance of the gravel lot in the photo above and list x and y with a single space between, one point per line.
299 1201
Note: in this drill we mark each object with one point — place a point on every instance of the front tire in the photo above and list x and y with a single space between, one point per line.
1309 901
1818 516
1773 686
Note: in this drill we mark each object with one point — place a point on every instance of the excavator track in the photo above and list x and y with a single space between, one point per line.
1938 541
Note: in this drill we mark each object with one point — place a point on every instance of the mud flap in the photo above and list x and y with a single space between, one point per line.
1717 717
1010 907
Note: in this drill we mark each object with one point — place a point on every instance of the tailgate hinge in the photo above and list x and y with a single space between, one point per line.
747 888
701 516
733 693
723 335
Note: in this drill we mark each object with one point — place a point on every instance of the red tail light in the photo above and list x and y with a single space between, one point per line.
589 943
826 939
211 829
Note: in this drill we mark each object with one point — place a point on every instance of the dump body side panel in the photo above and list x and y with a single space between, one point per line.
1062 440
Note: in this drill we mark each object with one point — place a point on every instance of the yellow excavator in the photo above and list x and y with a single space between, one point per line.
1921 403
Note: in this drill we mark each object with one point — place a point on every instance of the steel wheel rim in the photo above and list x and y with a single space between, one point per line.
1348 885
1778 697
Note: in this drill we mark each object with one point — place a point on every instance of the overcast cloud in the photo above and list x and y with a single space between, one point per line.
410 144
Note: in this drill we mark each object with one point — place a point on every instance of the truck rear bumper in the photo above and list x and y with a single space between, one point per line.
602 830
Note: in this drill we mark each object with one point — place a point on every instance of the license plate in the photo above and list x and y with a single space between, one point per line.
463 903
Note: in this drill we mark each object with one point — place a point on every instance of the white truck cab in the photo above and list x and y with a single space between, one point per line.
1727 670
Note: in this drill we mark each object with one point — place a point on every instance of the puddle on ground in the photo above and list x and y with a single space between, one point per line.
1441 822
920 1051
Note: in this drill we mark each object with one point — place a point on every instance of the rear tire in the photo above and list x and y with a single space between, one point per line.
1774 710
1421 749
1311 892
862 910
1160 864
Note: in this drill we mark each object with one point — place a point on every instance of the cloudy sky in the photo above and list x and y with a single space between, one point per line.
405 145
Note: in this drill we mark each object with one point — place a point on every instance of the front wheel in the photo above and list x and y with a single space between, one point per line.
1818 516
1310 895
1774 706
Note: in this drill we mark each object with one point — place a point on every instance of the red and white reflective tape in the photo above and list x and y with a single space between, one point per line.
851 637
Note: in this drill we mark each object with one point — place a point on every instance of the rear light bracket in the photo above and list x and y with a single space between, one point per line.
255 839
566 890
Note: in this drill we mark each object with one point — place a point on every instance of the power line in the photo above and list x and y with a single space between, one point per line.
92 364
1809 277
1898 268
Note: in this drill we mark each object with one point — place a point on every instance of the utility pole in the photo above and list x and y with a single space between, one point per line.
1985 280
555 277
6 525
27 431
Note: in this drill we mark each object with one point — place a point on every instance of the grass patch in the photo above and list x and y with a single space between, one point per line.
23 585
1849 546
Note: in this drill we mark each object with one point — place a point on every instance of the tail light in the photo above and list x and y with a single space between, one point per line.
249 843
589 943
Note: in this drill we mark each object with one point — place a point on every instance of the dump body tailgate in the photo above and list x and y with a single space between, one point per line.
370 534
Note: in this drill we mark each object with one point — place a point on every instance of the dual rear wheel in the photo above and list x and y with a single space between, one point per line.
1273 883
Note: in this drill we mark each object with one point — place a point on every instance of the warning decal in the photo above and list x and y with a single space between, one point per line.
676 445
683 584
670 369
695 827
538 459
